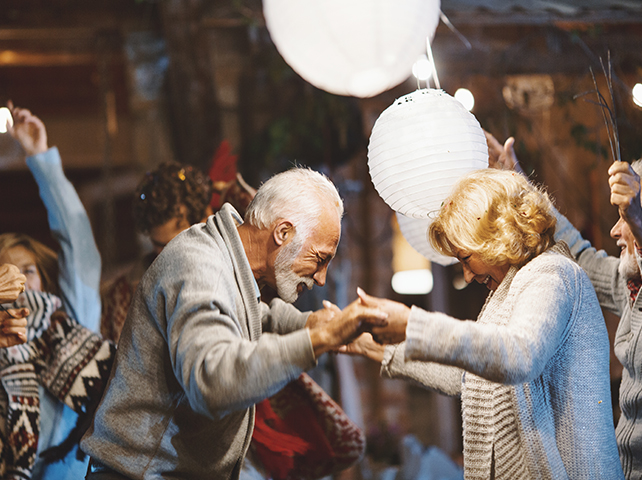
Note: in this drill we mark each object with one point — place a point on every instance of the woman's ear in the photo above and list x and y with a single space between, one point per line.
283 232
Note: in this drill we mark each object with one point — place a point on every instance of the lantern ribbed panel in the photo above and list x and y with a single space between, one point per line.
351 47
415 231
419 147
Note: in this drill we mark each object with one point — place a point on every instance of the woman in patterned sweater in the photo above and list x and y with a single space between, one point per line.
532 371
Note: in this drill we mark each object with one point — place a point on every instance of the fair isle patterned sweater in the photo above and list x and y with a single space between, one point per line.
532 372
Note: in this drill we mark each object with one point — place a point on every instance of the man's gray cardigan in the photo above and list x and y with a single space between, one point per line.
192 361
532 372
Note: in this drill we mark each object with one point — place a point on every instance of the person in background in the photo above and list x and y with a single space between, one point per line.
12 322
199 348
617 283
73 275
533 370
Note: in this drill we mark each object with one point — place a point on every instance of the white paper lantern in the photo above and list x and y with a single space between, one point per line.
352 47
415 231
419 147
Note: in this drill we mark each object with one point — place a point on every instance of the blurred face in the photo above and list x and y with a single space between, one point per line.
160 235
26 262
475 269
628 264
303 262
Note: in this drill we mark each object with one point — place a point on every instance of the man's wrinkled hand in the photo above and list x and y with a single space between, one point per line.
365 346
343 328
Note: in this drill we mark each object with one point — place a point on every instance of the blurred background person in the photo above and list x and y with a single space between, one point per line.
72 274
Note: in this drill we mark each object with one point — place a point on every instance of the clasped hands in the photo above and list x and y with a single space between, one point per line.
13 321
366 321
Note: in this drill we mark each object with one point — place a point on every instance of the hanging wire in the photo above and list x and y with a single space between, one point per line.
608 111
435 77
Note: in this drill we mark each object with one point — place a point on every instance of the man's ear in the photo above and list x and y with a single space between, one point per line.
283 232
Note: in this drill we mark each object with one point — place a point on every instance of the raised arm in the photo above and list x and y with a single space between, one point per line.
79 259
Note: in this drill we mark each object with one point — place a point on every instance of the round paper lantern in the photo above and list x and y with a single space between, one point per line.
420 146
415 231
352 47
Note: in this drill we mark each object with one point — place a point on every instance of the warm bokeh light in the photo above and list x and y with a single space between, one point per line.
5 117
466 98
637 94
412 282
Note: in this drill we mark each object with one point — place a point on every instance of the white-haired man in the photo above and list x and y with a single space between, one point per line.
194 355
617 283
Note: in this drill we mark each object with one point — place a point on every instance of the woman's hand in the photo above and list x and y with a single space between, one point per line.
365 346
395 330
12 283
502 157
28 130
13 325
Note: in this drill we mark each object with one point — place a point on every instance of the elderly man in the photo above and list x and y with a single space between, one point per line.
617 283
199 349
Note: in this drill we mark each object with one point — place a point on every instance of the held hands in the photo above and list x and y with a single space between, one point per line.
28 130
395 329
502 157
365 346
12 283
13 326
331 327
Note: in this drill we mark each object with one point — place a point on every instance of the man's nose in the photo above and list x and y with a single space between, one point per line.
319 276
616 231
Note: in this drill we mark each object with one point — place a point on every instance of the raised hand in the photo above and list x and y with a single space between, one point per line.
502 157
395 329
13 326
12 283
28 130
343 326
625 195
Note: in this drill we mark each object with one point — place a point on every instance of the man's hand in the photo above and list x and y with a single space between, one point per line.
395 330
625 195
341 327
13 324
323 316
28 130
502 157
365 346
12 283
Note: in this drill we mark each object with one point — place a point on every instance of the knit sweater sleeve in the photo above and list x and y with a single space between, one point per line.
602 269
281 317
512 348
443 378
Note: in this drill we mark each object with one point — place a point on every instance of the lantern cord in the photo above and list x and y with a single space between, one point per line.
432 63
610 120
453 29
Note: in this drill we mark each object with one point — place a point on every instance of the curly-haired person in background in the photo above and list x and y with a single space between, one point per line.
168 200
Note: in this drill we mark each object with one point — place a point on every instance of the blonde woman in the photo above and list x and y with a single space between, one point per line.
533 370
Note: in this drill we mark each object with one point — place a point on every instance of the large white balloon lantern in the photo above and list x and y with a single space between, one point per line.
419 147
415 231
352 47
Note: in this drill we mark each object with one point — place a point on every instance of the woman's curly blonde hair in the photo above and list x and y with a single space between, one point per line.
496 214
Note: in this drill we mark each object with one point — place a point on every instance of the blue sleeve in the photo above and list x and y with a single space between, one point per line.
79 259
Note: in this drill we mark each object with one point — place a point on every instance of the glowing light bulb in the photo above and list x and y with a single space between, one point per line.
412 282
637 94
465 97
422 69
5 117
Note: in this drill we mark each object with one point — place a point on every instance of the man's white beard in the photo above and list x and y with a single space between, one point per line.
628 267
286 280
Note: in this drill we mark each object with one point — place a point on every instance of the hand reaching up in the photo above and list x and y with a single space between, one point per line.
28 130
